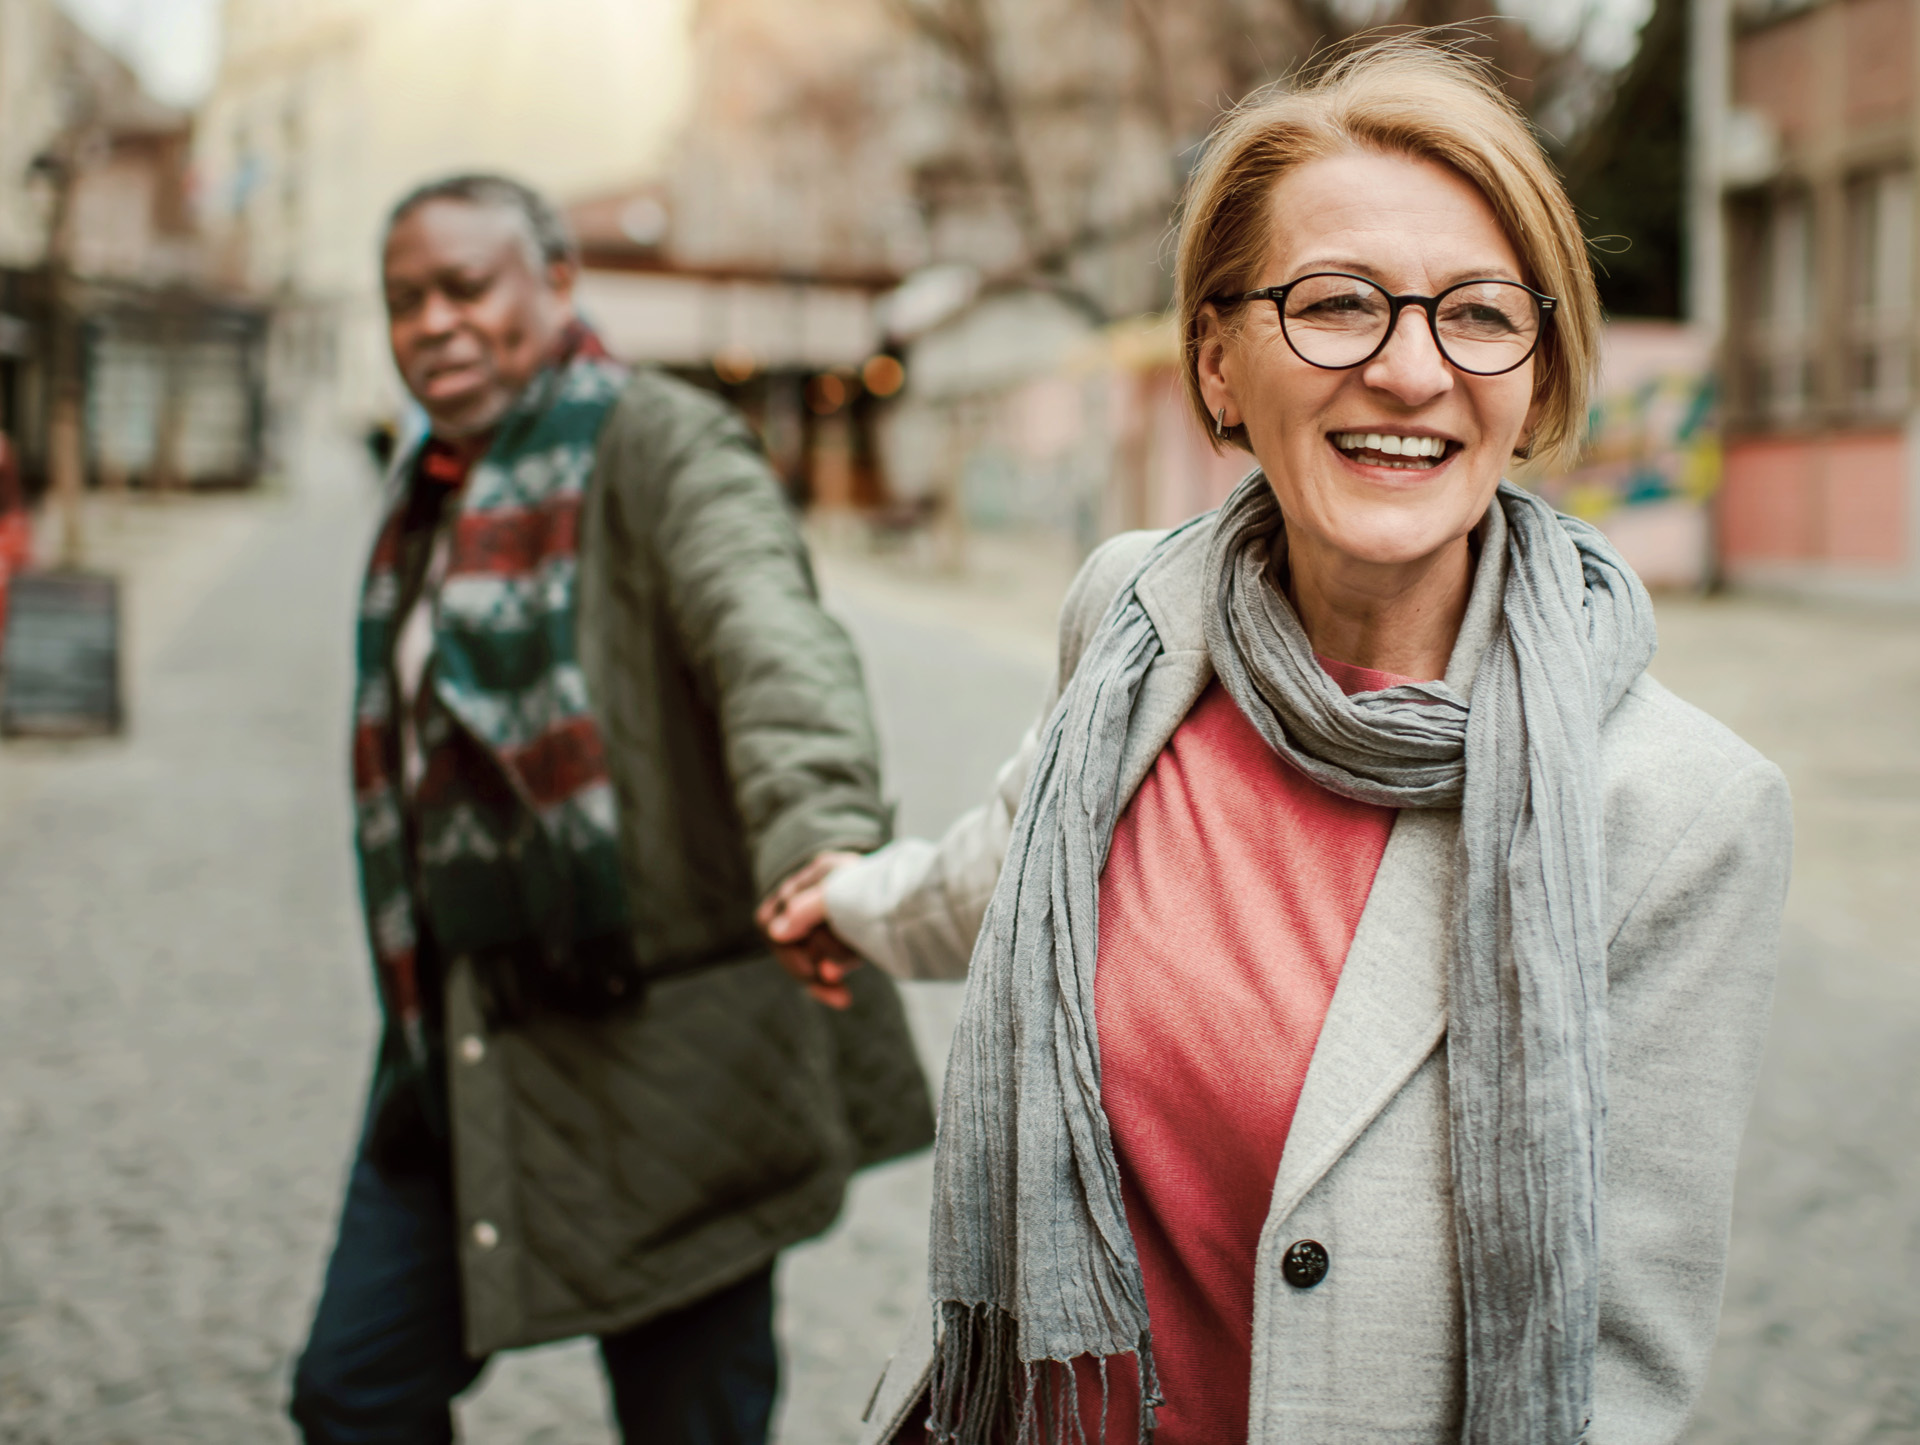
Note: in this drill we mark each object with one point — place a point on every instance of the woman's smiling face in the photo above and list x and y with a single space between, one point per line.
1389 462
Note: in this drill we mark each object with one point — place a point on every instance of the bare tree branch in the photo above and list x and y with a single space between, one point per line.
1127 113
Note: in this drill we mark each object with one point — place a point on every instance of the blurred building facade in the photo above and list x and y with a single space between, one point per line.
105 301
1033 141
974 189
758 263
1014 165
1822 482
34 101
323 113
920 242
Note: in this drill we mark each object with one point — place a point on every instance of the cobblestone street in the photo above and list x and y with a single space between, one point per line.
186 1016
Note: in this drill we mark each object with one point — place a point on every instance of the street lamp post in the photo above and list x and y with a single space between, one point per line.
1709 98
1709 86
59 167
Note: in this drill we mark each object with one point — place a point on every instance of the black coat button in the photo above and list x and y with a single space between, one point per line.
1305 1263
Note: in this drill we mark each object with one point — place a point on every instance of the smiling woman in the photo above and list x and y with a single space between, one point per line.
1397 237
1335 385
1411 111
1365 915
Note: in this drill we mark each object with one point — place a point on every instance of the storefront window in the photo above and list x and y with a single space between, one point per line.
1785 310
1880 292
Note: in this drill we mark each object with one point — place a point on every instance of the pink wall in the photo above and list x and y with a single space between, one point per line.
1832 499
1189 476
1879 46
1166 469
1773 73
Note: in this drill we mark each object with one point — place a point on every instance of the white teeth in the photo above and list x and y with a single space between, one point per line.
1388 444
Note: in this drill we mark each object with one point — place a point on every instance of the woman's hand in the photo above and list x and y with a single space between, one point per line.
794 919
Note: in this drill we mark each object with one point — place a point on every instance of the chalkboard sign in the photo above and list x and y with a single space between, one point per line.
60 660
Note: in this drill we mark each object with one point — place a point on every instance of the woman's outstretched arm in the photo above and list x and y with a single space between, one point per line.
915 906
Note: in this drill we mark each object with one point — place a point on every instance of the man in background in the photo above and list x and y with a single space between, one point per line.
599 715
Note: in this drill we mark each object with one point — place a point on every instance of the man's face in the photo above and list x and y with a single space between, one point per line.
470 313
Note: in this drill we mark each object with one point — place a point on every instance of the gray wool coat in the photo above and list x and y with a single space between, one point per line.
1698 844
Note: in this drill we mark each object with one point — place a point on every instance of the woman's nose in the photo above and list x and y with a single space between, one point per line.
1410 365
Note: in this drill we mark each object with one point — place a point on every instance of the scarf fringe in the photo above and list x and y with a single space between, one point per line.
985 1394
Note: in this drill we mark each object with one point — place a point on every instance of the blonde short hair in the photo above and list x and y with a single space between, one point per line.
1404 96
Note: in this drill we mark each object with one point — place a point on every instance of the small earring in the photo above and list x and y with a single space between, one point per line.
1220 423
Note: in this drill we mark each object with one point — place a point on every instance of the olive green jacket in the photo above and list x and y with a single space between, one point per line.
608 1171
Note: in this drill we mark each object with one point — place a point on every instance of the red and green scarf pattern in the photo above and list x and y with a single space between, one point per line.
514 836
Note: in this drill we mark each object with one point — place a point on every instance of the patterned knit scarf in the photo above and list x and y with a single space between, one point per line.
514 847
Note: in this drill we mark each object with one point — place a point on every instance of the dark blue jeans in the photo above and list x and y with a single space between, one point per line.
385 1360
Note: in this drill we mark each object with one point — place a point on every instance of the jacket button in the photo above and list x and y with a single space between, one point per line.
485 1235
472 1049
1305 1263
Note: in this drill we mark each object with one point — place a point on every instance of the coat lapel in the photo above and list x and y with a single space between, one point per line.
1389 1009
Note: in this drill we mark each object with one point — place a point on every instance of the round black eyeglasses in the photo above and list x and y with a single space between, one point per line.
1335 320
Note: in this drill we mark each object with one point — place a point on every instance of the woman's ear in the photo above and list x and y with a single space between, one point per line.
1214 364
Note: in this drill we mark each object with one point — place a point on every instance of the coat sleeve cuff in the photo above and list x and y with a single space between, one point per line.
827 823
863 898
899 909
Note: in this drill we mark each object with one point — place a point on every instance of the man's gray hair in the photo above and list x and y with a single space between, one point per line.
547 229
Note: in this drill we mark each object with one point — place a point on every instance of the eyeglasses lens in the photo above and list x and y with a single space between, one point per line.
1483 327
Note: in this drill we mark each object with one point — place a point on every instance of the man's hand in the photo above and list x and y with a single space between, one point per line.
794 919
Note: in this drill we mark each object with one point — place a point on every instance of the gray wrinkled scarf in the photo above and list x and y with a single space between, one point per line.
1032 1264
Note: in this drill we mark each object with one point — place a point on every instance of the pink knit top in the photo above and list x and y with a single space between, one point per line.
1230 898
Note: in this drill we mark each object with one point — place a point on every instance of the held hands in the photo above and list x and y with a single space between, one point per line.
794 919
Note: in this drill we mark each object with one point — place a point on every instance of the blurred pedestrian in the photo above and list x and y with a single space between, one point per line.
599 714
1435 939
16 528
